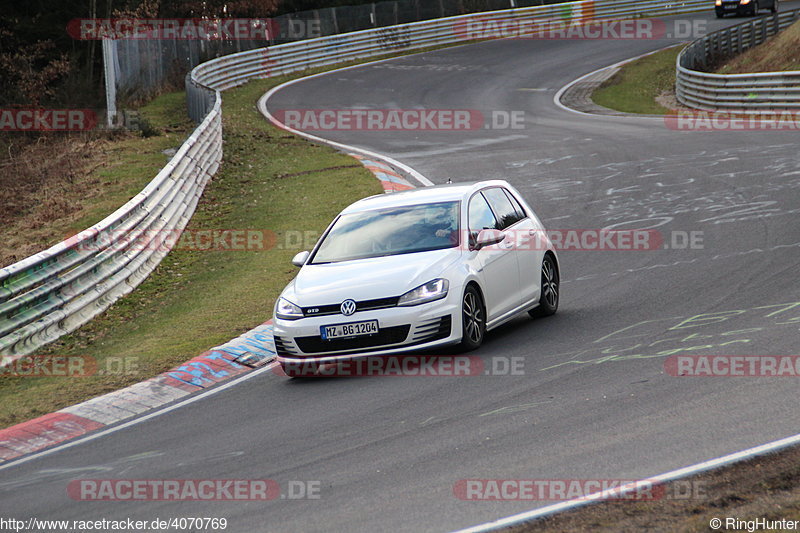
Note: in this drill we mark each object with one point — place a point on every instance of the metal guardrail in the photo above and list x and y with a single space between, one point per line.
740 92
56 291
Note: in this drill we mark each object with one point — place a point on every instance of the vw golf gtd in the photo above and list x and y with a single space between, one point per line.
421 268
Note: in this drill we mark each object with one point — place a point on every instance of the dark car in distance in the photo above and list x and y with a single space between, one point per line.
743 7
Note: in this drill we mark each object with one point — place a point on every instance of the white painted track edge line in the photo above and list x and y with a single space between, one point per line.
565 88
725 460
262 107
194 397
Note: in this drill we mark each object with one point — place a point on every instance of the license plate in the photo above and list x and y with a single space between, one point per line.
731 6
353 329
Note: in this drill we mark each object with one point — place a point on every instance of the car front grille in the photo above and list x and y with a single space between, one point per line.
364 305
428 331
285 346
435 329
385 337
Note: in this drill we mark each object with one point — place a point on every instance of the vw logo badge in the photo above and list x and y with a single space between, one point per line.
348 307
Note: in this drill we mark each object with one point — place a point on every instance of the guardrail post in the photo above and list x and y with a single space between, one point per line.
109 64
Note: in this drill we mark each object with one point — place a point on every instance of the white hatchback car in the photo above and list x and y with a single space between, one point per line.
417 269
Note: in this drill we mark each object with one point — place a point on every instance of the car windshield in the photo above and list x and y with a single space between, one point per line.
393 231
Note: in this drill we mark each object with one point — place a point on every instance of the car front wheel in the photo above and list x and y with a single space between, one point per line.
550 289
473 319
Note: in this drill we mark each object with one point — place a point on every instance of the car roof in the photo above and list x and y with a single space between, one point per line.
423 195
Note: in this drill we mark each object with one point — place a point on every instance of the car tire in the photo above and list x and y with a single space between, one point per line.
473 319
719 15
550 289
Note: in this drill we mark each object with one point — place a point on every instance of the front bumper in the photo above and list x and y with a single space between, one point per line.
400 328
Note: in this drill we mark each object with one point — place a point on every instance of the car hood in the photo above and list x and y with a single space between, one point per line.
367 279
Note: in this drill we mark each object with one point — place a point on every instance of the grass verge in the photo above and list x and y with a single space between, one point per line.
780 53
645 85
639 84
64 183
270 181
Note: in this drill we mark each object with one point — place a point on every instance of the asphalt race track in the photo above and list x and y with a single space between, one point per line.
589 404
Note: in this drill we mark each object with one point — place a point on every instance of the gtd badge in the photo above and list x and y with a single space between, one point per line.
348 307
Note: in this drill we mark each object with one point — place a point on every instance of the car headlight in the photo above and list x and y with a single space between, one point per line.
718 2
430 292
287 310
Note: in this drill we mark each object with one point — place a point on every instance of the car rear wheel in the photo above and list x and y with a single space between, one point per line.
550 289
473 319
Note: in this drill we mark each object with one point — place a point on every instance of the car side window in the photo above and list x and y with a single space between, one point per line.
505 212
520 211
480 217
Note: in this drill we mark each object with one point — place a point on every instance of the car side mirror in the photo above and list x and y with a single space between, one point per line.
488 237
301 258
